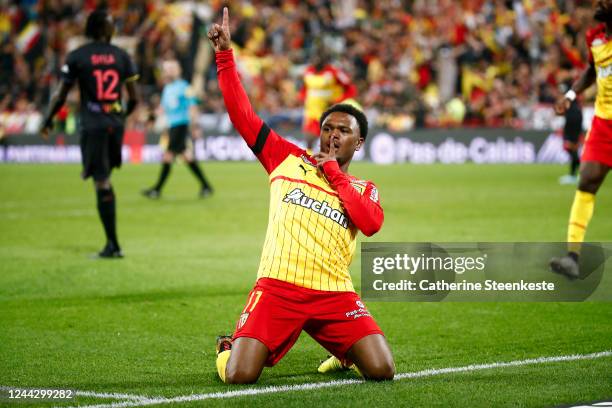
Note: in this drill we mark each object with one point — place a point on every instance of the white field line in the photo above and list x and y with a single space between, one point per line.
144 401
112 395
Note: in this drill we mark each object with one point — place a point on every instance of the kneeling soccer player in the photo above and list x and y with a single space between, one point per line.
316 209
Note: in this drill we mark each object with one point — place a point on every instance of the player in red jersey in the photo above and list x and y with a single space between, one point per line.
316 210
597 154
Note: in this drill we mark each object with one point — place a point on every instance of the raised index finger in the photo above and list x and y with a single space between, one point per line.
225 19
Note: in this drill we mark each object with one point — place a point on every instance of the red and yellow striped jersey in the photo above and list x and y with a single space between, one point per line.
600 54
313 218
310 240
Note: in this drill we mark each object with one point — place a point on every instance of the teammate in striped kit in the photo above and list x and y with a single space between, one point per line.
596 157
324 85
316 210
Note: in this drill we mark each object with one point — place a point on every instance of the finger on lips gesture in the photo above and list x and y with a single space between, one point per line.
323 157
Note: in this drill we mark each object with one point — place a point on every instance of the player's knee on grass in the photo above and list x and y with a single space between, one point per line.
241 374
373 358
246 362
380 370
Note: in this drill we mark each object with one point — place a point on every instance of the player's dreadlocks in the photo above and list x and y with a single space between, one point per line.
351 110
96 26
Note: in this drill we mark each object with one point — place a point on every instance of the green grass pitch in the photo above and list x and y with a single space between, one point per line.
146 325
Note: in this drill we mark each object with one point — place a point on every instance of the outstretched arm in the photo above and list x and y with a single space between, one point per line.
584 81
268 146
238 106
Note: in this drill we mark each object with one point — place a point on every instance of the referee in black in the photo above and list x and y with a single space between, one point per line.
100 69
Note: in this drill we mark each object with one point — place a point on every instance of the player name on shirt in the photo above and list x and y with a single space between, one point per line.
102 59
100 69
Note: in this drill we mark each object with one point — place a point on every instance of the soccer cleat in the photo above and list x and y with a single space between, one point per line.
224 343
205 192
565 266
151 193
110 251
331 365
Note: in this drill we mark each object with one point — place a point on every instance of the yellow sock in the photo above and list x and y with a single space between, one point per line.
582 211
222 359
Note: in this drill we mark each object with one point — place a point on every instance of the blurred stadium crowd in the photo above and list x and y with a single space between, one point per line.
415 63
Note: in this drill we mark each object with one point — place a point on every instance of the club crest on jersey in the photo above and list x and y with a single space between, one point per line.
297 197
242 320
374 194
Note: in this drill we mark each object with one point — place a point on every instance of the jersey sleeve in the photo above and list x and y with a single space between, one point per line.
69 71
269 147
590 37
361 204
